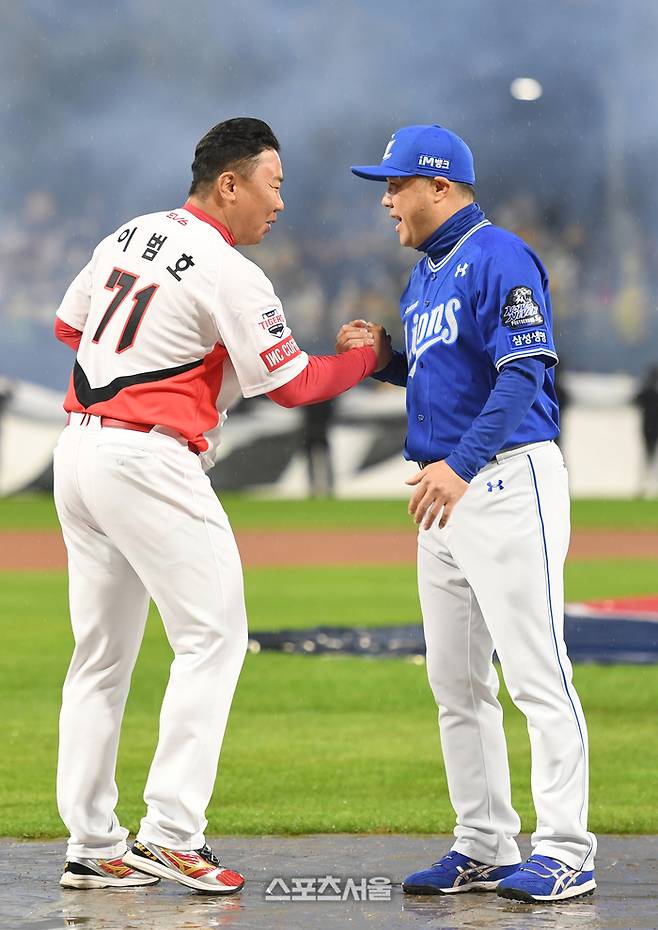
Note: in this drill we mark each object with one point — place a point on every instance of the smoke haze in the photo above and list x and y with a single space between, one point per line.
104 103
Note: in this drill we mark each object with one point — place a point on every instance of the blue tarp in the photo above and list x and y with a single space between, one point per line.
590 636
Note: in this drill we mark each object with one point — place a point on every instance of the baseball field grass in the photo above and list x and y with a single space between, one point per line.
318 744
37 511
332 595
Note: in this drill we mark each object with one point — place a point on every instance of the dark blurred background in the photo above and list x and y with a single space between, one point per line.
104 103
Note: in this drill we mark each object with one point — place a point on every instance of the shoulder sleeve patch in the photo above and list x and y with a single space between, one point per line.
273 321
280 354
521 310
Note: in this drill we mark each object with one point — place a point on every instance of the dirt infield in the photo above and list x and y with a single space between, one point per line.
44 550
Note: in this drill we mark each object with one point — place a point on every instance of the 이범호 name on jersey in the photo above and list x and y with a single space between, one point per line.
521 309
182 264
153 246
126 236
273 321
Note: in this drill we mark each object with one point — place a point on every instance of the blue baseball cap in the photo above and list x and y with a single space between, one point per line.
431 151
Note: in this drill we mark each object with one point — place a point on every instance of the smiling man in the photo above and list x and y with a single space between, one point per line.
492 503
170 324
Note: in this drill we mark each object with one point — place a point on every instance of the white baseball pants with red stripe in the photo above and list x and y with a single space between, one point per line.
140 519
493 579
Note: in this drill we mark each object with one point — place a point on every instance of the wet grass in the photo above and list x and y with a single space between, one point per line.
297 598
336 744
36 511
318 745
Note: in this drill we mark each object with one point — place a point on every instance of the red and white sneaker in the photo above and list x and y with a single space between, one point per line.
102 873
197 868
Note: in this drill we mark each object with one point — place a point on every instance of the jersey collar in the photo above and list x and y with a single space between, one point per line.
224 231
443 240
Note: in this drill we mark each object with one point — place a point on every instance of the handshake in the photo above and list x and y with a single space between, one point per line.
358 333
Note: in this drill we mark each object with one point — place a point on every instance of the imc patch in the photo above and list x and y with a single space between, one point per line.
273 321
521 310
281 353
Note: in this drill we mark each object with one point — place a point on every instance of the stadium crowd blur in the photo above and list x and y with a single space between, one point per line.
605 319
349 265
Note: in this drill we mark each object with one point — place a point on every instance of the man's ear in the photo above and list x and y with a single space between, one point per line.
441 187
226 185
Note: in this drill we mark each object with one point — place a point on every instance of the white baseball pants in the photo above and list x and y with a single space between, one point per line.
493 579
140 518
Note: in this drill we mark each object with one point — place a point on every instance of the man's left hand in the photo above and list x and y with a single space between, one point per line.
437 486
353 335
359 333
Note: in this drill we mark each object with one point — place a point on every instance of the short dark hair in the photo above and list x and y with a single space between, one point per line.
234 144
466 189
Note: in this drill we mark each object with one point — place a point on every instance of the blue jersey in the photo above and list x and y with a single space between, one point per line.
465 316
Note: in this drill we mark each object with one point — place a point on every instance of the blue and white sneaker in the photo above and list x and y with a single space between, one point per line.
454 873
542 878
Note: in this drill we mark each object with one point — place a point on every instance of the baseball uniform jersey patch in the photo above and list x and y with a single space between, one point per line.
521 309
273 321
280 354
533 337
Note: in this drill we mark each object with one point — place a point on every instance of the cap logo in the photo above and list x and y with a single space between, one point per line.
388 151
431 161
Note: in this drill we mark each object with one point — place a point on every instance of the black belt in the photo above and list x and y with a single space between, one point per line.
492 461
434 461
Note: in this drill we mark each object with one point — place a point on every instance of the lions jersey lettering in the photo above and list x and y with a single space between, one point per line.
465 317
436 325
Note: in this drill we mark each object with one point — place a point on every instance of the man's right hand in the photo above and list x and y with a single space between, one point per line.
359 333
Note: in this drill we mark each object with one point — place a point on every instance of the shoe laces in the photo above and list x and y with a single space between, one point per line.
445 859
541 868
206 853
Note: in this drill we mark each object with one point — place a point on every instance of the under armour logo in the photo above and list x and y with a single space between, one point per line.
461 270
500 486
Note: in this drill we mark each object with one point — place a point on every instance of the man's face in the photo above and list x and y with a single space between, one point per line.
411 202
258 199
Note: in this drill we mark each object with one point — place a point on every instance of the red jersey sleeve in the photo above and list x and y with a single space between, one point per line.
326 376
67 334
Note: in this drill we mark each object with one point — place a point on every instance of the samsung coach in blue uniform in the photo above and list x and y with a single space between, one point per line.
492 504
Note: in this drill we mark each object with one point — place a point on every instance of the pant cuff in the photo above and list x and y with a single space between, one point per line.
482 854
147 835
82 851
